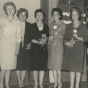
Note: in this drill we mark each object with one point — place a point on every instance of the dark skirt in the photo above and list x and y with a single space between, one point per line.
23 59
38 58
74 58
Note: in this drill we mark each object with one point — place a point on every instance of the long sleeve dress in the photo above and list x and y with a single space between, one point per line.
55 48
38 53
10 34
74 56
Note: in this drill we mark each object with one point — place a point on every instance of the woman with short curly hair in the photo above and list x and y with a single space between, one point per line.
9 42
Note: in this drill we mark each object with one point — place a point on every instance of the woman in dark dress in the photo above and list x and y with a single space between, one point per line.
76 35
23 57
38 52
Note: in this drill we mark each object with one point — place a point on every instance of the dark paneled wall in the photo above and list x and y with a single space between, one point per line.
45 7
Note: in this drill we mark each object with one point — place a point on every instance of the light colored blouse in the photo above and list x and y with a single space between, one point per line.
23 32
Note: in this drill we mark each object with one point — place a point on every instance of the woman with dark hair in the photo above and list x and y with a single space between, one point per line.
55 45
23 56
38 52
76 35
10 38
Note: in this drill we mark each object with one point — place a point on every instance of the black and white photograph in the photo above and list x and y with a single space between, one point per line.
43 43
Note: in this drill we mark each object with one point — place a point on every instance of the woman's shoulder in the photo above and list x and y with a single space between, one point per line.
52 23
28 23
63 25
3 18
17 21
83 26
68 25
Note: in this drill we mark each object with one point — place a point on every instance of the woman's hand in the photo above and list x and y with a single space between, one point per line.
70 43
76 36
42 42
28 46
17 51
50 38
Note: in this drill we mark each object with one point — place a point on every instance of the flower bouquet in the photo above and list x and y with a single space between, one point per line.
43 39
74 38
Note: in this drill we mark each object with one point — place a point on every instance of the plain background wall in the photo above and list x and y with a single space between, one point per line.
31 5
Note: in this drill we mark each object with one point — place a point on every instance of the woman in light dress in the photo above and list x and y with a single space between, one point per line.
10 38
55 46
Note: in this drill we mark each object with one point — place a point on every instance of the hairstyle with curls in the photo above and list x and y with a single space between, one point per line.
22 10
9 3
59 12
39 10
77 10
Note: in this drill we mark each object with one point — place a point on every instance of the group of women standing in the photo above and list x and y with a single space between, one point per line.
38 47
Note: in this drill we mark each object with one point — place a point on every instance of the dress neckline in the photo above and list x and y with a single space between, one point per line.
38 27
78 25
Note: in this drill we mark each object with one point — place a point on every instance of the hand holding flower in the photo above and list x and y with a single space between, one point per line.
42 42
50 38
69 44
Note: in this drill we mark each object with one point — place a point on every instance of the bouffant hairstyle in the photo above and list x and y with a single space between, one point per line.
59 12
9 3
77 10
22 10
41 11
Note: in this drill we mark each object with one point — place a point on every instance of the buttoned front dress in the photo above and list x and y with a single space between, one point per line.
10 34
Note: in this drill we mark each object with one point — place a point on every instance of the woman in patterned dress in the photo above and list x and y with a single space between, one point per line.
10 38
55 46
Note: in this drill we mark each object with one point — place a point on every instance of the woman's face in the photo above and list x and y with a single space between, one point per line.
39 16
56 16
22 17
10 10
75 15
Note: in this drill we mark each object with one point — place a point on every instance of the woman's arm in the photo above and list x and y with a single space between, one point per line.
18 39
41 42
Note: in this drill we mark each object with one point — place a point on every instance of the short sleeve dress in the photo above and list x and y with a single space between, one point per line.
74 56
10 34
38 53
55 48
